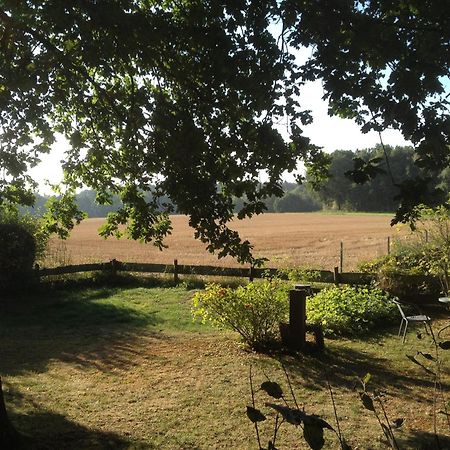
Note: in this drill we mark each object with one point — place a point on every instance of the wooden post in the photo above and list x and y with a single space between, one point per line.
250 277
389 245
336 276
175 271
341 257
426 236
114 264
297 318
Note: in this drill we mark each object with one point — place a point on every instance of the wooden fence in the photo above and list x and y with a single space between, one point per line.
175 269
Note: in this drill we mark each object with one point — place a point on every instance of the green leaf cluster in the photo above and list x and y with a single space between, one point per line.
425 253
185 98
350 311
254 310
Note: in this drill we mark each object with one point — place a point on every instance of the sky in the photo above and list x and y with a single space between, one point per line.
331 133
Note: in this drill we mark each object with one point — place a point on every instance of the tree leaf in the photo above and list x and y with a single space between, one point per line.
255 415
290 415
398 422
414 360
313 434
273 389
366 378
427 356
366 401
316 420
444 345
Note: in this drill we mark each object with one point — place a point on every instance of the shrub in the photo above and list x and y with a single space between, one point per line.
426 258
254 310
17 255
9 214
350 310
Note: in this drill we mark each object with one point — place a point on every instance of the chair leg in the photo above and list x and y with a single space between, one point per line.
404 332
400 329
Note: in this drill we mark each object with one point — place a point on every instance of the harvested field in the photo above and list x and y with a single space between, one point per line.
290 239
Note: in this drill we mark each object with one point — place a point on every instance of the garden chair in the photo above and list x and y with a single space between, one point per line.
406 319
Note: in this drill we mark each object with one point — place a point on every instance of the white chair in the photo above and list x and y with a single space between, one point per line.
406 319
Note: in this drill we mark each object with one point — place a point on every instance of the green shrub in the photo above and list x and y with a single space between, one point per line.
9 214
17 256
350 310
425 258
254 310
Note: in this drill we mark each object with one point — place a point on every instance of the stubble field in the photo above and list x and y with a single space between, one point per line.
290 239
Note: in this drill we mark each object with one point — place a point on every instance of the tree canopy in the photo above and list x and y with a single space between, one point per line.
183 98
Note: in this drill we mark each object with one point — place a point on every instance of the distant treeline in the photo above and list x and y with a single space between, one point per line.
337 193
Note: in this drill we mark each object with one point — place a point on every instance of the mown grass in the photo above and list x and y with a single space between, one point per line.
125 367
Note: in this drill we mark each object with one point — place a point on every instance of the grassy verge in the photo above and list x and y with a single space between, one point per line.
101 367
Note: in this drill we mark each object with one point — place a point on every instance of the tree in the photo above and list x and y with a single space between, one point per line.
380 193
296 200
182 99
335 190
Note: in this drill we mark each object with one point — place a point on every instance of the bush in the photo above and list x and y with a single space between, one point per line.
17 255
425 259
254 310
9 214
350 310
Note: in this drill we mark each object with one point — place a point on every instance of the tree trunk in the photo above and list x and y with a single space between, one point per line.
9 437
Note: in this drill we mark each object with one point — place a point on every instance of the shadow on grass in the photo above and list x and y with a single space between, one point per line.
420 440
77 325
44 430
343 366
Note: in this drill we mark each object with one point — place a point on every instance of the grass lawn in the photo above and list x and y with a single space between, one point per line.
99 368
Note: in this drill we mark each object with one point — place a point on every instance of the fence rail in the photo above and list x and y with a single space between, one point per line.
114 266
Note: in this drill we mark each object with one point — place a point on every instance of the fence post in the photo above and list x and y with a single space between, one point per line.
175 271
114 267
341 257
251 275
336 276
297 318
389 245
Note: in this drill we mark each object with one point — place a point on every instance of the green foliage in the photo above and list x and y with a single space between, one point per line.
254 310
350 311
426 254
366 180
17 256
297 274
9 214
434 227
190 110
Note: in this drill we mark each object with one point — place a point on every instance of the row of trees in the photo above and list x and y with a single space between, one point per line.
339 192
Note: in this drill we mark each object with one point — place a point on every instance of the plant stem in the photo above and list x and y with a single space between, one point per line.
254 406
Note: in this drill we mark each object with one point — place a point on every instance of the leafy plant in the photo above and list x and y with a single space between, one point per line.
299 273
17 255
9 214
254 310
349 310
426 254
288 411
